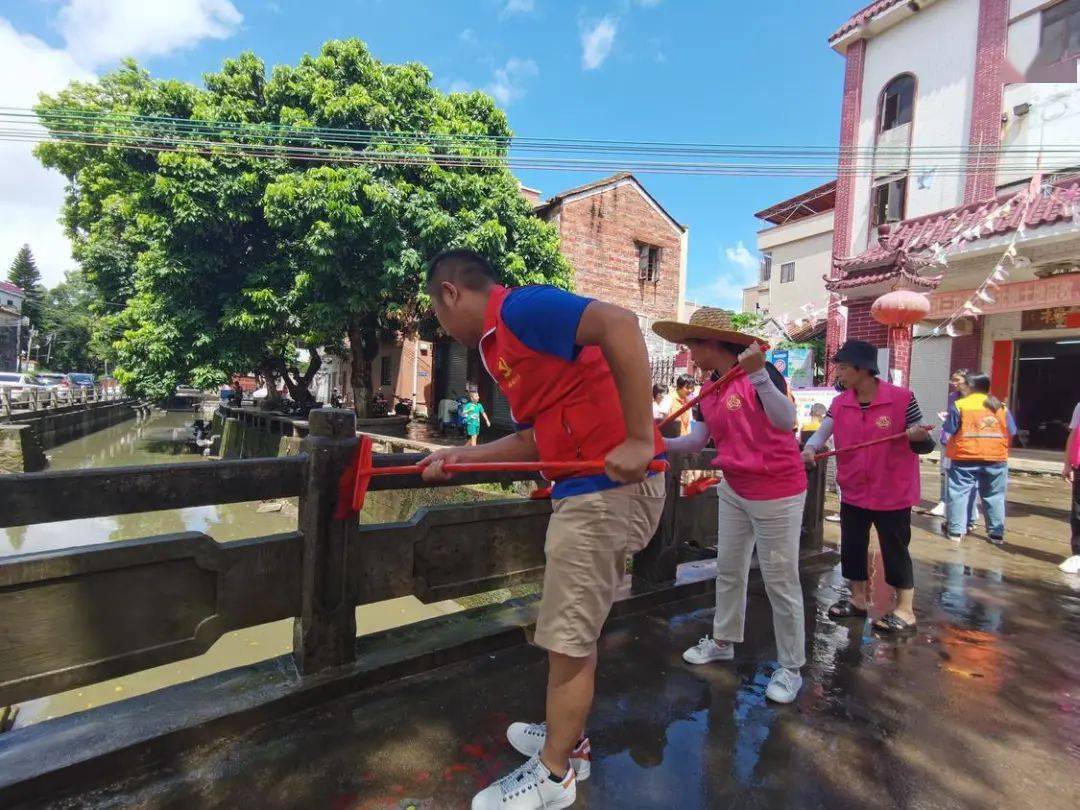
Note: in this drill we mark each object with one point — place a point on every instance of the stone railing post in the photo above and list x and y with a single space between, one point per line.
812 536
324 635
34 405
5 402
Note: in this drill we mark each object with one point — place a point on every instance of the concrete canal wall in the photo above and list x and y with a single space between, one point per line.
25 437
254 433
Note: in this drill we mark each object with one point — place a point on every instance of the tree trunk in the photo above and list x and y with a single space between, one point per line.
299 384
269 376
363 349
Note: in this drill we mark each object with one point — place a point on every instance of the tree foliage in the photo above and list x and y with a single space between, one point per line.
227 261
72 338
24 273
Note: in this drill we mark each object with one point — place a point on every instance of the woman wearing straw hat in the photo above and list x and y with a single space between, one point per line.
761 498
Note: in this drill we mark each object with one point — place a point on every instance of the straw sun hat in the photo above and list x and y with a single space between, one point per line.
707 323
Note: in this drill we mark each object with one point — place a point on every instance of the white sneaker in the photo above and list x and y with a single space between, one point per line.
938 510
832 518
1071 565
784 685
528 740
707 650
529 787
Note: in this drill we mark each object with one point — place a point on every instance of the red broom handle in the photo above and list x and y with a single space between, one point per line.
860 445
505 466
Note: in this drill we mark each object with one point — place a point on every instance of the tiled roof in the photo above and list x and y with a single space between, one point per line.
545 207
850 281
8 287
604 181
806 331
863 16
902 250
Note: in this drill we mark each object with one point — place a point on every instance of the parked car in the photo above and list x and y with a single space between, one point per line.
19 385
56 383
80 380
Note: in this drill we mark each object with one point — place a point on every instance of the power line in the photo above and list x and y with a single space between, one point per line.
356 146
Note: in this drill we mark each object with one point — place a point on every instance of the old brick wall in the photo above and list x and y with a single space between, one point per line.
861 326
967 349
986 102
600 237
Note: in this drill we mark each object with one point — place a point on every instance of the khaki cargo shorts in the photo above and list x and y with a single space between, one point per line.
588 540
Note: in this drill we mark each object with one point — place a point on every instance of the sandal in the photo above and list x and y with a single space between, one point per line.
844 609
893 625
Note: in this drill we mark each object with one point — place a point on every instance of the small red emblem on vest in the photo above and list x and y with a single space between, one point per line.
734 402
884 422
507 373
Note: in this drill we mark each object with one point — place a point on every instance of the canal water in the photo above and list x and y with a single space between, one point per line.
162 438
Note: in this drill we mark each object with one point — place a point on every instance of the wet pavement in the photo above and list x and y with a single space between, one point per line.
980 709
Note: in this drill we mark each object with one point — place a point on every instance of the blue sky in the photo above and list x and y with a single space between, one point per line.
662 70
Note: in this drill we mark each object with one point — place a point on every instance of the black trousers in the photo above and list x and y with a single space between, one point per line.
894 536
1074 519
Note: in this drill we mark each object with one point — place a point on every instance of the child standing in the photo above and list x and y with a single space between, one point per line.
472 412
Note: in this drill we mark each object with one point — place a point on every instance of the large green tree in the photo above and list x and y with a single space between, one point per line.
72 328
229 258
24 273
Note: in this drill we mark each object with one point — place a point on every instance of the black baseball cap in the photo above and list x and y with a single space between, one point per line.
860 354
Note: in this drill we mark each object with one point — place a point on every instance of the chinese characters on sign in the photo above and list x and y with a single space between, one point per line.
1054 318
1057 291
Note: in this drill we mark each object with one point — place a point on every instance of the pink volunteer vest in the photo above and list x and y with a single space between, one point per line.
883 476
760 462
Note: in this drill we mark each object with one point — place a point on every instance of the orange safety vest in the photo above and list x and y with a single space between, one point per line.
983 435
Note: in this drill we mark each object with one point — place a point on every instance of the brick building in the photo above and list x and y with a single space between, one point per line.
625 248
993 244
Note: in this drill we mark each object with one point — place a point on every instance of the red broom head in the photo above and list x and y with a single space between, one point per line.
363 474
699 485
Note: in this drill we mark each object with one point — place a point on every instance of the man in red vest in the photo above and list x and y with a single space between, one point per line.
576 375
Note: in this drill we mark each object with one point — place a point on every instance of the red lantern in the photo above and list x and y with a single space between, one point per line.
900 308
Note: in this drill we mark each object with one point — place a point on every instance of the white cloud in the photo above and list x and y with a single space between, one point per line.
30 196
741 257
596 43
95 32
737 268
468 36
518 7
100 31
508 83
460 86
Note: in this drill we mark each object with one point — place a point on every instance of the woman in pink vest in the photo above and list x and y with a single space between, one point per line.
750 419
878 484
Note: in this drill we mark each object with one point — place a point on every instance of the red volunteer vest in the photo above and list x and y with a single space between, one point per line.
573 406
760 462
883 476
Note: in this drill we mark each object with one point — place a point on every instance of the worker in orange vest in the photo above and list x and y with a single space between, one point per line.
980 429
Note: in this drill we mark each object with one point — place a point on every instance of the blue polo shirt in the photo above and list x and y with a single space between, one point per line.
546 319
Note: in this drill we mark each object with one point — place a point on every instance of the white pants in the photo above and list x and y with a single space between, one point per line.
774 526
